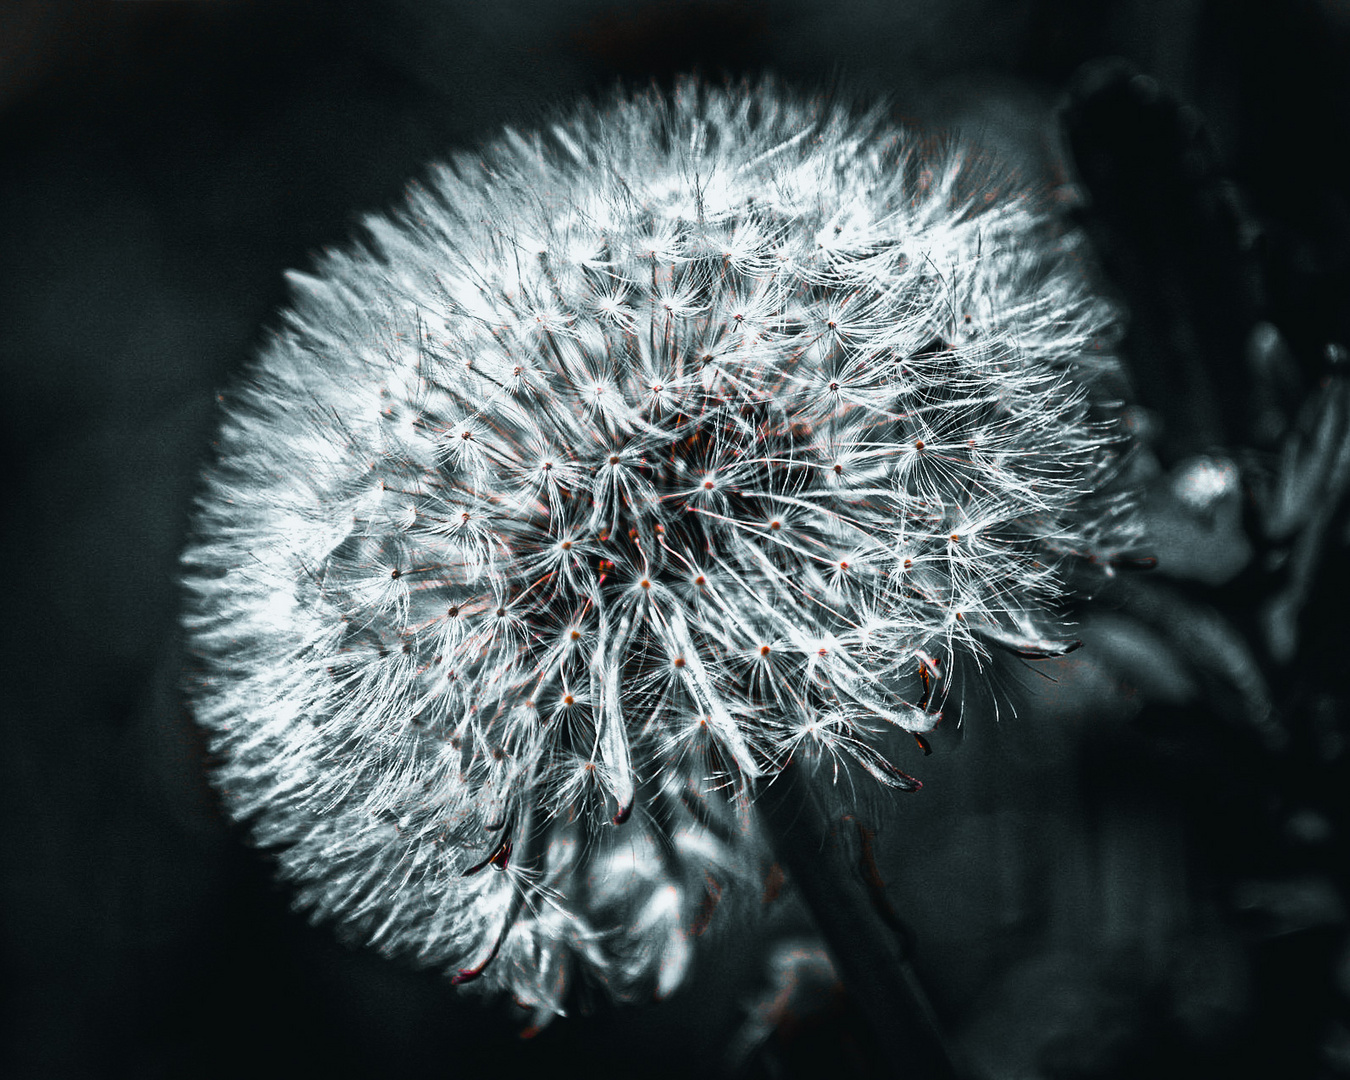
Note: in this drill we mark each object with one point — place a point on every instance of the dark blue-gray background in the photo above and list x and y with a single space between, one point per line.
161 164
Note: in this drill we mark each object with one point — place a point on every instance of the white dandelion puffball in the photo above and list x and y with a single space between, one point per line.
630 460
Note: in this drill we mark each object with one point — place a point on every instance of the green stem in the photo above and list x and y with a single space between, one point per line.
853 921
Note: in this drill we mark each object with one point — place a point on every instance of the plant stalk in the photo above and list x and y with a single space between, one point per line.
852 917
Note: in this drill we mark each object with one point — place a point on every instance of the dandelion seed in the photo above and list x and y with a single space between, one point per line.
621 468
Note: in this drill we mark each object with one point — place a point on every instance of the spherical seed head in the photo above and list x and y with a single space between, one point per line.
681 438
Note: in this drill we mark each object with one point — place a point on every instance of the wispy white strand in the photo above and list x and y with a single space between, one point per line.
628 461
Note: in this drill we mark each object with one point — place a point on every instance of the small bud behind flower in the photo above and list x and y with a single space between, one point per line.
631 460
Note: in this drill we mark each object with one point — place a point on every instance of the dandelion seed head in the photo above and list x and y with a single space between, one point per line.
624 463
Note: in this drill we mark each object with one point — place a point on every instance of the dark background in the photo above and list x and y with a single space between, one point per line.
1107 884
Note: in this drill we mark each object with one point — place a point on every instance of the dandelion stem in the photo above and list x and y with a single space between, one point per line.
868 954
